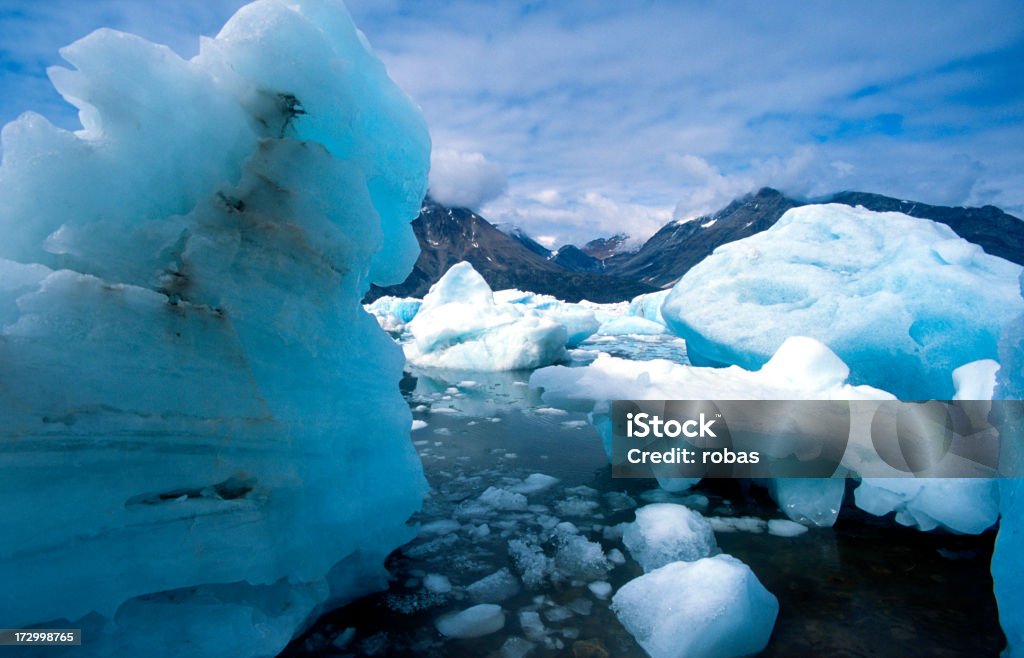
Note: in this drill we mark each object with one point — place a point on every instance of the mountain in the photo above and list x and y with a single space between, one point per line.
575 259
678 246
603 248
450 235
528 242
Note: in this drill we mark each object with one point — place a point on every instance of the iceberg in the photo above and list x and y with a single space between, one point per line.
1007 575
189 378
460 326
579 319
712 608
902 301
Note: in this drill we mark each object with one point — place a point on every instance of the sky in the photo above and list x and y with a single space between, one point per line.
582 118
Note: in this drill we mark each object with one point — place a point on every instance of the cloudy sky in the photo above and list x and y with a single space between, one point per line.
575 119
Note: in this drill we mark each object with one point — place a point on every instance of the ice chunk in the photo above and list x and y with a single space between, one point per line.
813 501
533 627
495 588
516 647
903 301
502 499
712 608
477 621
460 327
601 589
666 532
534 483
197 255
965 505
437 583
529 559
578 557
737 524
418 425
629 325
784 528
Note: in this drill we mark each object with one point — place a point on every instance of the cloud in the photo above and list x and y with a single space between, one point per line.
651 106
466 180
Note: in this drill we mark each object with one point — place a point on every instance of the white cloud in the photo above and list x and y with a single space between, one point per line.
466 180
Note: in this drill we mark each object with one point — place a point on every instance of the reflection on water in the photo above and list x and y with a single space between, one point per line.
862 588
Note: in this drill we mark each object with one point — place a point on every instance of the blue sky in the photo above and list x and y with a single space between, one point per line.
575 119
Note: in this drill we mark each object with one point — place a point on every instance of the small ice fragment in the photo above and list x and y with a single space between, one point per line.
477 621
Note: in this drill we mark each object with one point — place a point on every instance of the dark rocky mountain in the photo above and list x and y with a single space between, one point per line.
450 235
574 259
603 248
528 242
678 246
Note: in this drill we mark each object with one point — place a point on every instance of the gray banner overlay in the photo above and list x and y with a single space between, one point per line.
815 438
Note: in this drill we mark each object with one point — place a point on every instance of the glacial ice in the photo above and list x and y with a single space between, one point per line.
460 326
665 532
648 306
965 505
811 501
1007 575
902 301
189 379
393 313
712 608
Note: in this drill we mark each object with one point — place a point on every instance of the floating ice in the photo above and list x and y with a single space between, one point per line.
534 483
737 524
477 621
196 256
437 583
784 528
665 532
965 505
812 501
460 327
495 588
902 301
629 325
600 588
712 608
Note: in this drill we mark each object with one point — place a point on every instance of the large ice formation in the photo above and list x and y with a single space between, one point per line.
712 608
196 412
648 306
461 327
1007 575
903 301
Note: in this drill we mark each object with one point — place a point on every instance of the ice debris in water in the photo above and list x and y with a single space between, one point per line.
199 251
665 532
712 608
495 588
461 327
785 528
482 619
903 301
